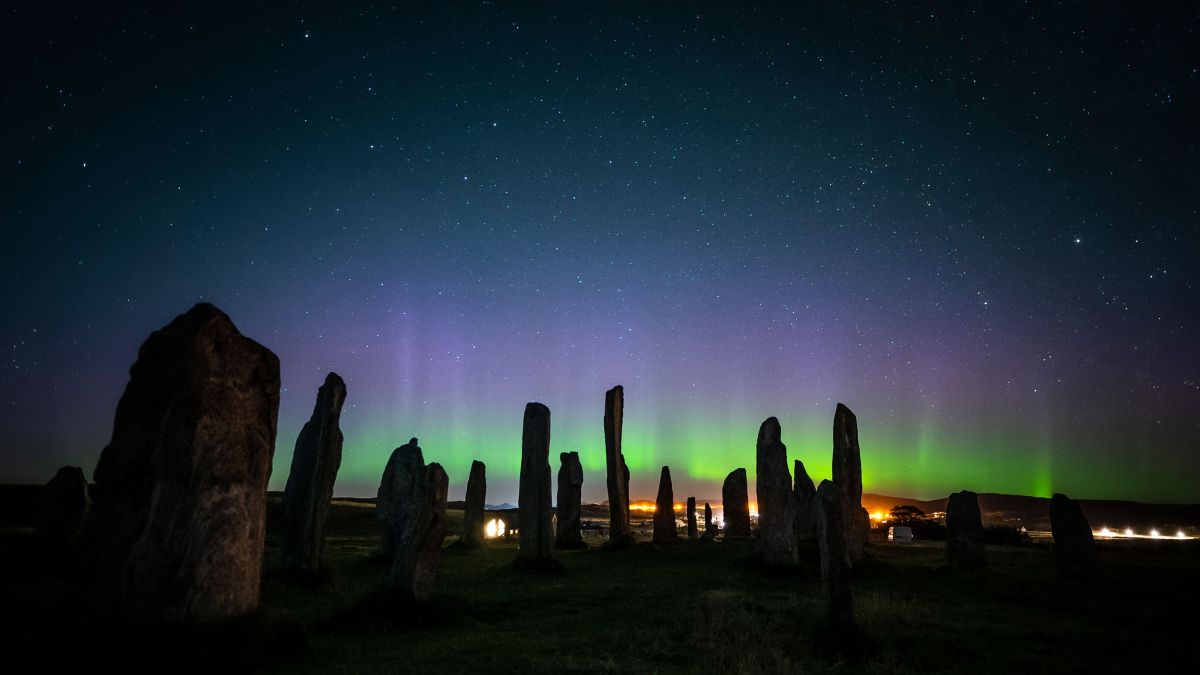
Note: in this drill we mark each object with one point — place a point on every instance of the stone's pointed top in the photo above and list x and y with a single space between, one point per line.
476 463
843 412
333 379
535 409
666 471
618 389
769 431
1058 497
412 441
203 311
567 456
195 319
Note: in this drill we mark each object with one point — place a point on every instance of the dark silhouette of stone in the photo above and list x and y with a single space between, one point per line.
399 493
735 502
835 556
1075 550
473 513
419 543
65 507
776 543
535 513
309 489
847 476
664 509
803 496
964 532
178 523
710 527
619 534
691 518
569 533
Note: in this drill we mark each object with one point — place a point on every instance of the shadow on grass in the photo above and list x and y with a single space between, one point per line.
395 610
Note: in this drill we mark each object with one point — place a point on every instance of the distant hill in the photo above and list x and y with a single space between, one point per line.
1034 512
20 506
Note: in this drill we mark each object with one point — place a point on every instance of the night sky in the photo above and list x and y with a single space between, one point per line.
976 228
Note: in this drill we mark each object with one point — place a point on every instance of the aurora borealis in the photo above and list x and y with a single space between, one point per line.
976 227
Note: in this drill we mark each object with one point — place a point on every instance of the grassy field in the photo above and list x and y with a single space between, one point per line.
703 606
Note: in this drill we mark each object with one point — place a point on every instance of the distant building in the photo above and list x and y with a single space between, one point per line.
900 534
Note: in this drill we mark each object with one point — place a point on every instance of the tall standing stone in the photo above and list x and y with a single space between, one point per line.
618 472
847 476
776 543
835 557
178 526
964 532
399 492
803 499
664 509
735 502
1074 545
535 513
710 528
309 489
419 543
691 518
65 507
569 533
473 513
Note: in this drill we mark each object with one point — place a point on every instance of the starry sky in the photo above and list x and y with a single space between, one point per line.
977 227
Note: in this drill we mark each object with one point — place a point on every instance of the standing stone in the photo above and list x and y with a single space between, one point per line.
847 476
691 517
1074 546
178 527
803 500
535 513
473 513
964 532
569 534
835 557
65 508
735 502
399 493
710 528
664 509
776 543
309 489
419 544
618 472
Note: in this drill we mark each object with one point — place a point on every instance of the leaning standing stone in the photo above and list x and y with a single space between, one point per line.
618 472
1074 546
535 514
847 476
691 517
65 508
569 534
664 509
419 544
835 558
309 489
776 543
177 530
735 502
803 498
398 499
964 532
473 513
